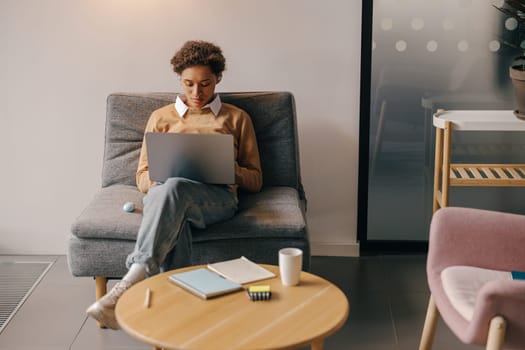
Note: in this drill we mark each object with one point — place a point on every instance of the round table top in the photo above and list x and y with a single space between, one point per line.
176 319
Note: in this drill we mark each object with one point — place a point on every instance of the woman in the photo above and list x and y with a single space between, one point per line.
170 207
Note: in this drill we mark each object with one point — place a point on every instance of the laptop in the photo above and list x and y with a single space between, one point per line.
207 158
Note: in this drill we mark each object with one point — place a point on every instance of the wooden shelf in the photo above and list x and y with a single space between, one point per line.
500 175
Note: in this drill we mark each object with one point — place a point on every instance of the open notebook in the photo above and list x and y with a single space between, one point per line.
241 270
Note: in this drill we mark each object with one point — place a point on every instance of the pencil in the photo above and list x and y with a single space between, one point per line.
147 302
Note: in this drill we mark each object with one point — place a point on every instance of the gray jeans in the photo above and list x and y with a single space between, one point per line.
164 238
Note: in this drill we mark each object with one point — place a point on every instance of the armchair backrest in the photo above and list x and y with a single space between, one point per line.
273 117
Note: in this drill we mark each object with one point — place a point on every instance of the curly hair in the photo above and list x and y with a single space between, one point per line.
195 53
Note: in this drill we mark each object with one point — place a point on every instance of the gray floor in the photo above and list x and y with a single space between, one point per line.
388 297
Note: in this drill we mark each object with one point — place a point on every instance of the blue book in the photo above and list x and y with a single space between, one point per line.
518 275
204 283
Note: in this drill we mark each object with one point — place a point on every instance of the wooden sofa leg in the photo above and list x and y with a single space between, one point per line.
101 285
496 336
429 329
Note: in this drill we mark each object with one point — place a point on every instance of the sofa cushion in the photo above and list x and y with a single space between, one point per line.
272 114
273 212
104 218
126 118
462 284
273 117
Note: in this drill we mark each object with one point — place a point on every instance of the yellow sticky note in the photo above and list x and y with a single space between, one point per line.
259 288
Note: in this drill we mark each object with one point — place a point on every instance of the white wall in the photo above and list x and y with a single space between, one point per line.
59 59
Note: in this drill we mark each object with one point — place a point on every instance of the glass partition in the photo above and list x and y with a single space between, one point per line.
429 55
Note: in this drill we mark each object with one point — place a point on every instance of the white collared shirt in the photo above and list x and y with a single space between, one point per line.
214 105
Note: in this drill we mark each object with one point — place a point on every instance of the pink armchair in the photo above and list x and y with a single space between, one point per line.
482 304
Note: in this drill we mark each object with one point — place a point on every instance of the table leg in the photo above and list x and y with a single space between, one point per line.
318 345
445 173
442 167
438 166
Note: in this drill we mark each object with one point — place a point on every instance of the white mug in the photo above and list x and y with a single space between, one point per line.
290 265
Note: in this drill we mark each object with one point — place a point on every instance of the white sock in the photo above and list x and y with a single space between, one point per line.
136 273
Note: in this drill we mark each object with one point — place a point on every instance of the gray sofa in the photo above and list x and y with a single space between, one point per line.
103 235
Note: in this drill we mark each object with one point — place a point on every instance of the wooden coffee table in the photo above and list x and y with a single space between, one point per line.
176 319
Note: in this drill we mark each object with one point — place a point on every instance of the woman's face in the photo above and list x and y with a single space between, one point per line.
198 85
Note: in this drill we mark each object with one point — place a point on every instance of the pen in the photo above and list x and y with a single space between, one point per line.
147 302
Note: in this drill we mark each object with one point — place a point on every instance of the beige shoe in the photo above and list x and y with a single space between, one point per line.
103 310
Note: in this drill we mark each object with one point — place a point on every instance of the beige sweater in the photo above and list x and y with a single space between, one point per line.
230 120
